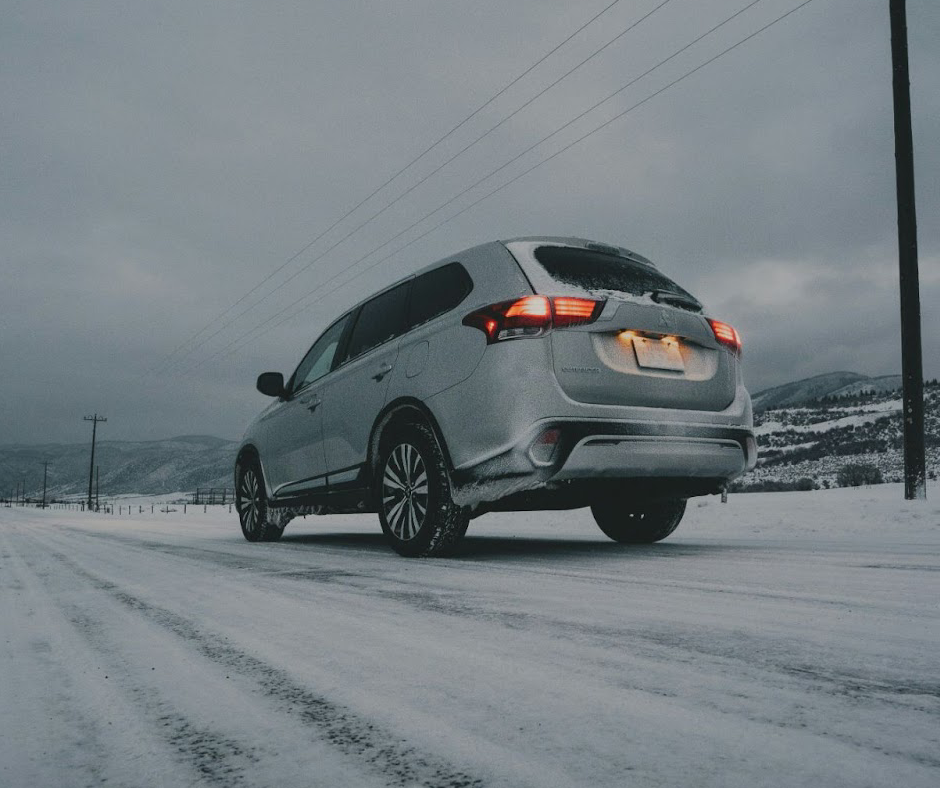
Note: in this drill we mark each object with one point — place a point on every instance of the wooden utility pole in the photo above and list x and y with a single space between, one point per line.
912 372
45 471
91 467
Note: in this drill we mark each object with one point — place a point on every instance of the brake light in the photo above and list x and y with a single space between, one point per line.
534 308
575 311
532 316
726 335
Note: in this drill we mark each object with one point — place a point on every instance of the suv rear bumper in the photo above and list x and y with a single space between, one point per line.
600 449
606 456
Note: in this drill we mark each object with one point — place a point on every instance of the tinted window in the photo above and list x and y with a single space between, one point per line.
437 292
379 320
319 359
598 271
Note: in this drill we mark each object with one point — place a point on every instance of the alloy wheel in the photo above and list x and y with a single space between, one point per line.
405 491
249 501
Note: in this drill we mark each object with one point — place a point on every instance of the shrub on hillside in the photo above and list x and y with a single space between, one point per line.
775 485
856 474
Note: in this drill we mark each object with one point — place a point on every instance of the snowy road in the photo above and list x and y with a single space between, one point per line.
782 639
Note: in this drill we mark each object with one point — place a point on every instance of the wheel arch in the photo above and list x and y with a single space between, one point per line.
403 410
246 452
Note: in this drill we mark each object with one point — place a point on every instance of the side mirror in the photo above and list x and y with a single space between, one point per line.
271 384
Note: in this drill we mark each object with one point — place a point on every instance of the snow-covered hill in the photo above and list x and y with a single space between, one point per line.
862 425
800 392
880 385
146 467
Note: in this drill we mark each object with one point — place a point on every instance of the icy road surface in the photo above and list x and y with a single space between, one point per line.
783 639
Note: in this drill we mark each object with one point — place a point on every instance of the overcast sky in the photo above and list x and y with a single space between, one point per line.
158 160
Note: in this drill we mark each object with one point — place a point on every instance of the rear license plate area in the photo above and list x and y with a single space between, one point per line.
658 354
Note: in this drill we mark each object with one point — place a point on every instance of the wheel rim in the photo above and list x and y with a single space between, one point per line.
249 501
405 492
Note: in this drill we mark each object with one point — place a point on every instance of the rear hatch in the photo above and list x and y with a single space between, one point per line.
651 346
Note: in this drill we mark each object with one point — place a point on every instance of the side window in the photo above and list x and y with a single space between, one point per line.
379 320
437 292
319 359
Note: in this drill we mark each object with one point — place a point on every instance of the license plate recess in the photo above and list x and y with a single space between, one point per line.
654 353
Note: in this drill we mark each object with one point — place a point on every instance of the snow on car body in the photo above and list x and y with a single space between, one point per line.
536 373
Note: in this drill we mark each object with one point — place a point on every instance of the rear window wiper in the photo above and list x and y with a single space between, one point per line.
676 299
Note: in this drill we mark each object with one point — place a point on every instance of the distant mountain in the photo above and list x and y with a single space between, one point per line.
175 464
801 392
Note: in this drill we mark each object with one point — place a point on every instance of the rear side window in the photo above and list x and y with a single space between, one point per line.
437 292
602 274
379 320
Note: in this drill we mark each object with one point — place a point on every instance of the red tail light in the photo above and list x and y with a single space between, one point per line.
726 335
575 311
532 316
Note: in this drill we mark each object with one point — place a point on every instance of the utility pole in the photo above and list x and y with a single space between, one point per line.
91 467
45 471
97 500
912 372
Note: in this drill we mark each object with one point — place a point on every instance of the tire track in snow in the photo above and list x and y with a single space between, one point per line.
263 564
737 647
83 732
399 763
216 758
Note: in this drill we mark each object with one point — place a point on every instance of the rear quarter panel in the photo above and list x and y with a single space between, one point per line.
444 352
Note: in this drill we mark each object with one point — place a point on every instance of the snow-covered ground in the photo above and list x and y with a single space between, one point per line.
781 639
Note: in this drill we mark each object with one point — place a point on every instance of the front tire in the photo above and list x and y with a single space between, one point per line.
251 501
413 495
643 523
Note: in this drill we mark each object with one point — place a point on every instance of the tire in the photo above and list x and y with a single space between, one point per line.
251 501
639 524
413 494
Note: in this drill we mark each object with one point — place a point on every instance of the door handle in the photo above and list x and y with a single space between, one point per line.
384 369
311 403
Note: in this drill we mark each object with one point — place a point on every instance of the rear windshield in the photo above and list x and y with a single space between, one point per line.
606 274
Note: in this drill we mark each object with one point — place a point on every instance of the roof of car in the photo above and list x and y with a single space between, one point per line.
555 240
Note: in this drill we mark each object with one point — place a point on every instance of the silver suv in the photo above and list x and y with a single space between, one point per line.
537 373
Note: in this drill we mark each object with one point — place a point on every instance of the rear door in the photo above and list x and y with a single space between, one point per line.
651 345
356 391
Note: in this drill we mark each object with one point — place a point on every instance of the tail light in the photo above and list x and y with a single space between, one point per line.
532 316
726 335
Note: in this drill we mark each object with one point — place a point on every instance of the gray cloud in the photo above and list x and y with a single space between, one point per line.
158 160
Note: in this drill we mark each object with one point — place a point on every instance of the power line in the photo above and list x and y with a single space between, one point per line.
424 179
485 196
401 171
503 186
